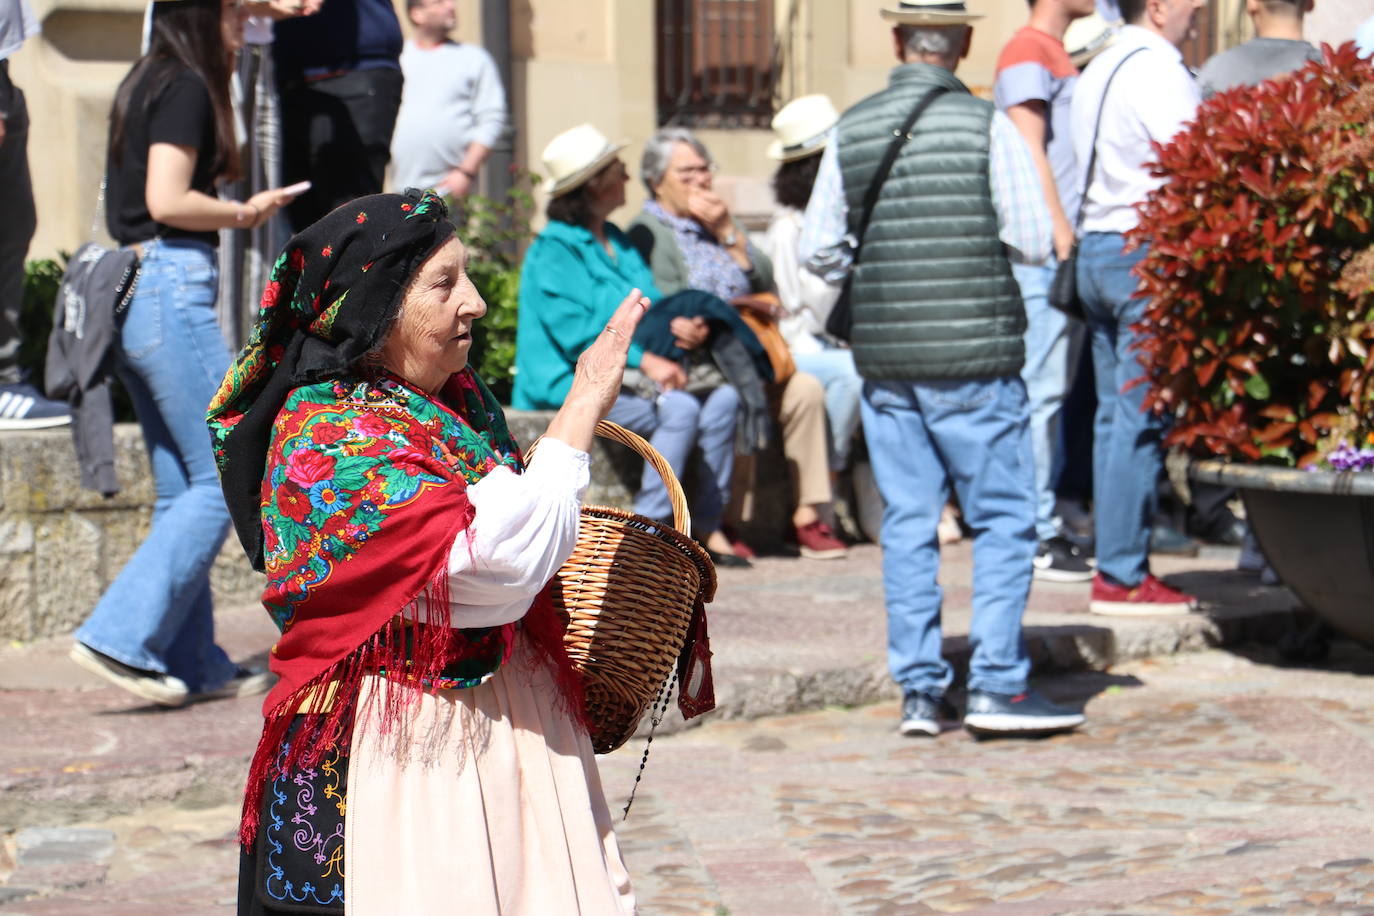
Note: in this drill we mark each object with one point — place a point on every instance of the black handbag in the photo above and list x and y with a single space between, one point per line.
1063 291
840 323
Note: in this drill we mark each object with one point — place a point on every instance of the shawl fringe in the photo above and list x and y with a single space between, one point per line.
413 656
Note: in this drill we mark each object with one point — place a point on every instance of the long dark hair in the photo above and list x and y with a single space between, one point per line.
186 33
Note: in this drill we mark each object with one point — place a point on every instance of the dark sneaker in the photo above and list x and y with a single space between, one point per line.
1060 560
162 689
246 682
23 406
1150 598
818 542
1026 714
922 713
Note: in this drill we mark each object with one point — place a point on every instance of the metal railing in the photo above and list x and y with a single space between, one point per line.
718 63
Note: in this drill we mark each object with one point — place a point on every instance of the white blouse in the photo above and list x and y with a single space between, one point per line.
524 528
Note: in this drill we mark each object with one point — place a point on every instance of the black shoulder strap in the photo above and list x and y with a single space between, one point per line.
1092 156
899 138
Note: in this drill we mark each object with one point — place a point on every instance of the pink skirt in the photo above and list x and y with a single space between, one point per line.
487 800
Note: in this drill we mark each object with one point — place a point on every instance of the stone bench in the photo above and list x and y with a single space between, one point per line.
61 546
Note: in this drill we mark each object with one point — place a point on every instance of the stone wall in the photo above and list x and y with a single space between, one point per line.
60 545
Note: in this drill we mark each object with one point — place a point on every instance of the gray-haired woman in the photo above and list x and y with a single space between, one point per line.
690 240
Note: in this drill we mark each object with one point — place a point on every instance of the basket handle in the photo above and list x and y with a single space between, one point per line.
605 429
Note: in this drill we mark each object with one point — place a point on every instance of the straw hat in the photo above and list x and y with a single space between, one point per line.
930 12
801 127
1088 37
574 156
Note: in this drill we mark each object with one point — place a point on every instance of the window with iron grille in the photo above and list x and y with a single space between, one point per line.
717 63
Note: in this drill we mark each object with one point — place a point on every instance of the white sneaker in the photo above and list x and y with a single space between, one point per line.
162 689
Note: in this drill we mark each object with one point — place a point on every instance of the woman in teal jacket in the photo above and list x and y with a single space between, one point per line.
574 275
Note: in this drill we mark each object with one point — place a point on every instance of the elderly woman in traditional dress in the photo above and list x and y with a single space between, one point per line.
424 749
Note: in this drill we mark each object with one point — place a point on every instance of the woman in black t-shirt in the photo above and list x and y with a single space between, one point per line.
171 139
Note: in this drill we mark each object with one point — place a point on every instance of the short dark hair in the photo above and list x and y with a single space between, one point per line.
793 180
1131 10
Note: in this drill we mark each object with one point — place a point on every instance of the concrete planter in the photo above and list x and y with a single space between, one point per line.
1317 530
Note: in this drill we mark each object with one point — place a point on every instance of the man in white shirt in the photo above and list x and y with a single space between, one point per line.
453 106
1143 92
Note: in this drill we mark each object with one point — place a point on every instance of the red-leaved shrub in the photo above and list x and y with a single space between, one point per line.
1259 334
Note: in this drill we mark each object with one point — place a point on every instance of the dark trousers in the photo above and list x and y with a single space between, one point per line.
18 223
336 133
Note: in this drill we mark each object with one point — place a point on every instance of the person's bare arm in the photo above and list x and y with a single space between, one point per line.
1030 119
172 202
461 179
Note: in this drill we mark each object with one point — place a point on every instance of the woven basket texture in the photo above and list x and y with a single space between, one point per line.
627 593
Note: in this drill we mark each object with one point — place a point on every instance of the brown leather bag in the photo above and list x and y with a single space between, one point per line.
757 311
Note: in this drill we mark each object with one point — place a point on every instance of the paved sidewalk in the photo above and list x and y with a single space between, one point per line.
159 788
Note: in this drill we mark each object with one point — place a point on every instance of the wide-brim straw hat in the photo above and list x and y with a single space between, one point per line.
1088 37
574 156
929 12
801 128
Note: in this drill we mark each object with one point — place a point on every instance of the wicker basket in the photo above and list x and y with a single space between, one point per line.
627 593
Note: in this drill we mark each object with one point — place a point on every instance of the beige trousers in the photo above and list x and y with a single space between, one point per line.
799 407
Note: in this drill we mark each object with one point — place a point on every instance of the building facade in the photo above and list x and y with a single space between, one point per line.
627 66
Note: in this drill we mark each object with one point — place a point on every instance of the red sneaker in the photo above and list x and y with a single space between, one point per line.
818 542
1150 597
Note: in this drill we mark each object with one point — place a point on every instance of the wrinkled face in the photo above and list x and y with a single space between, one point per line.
434 15
433 333
687 171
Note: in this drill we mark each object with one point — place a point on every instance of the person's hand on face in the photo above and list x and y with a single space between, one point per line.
707 208
689 333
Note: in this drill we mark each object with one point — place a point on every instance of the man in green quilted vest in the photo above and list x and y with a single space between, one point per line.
937 336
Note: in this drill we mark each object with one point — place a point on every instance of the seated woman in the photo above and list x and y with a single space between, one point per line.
801 130
690 240
426 713
573 277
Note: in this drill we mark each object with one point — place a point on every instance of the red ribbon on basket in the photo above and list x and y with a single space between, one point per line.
696 692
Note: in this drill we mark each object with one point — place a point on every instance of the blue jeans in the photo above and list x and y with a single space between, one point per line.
1052 347
158 614
1126 440
922 438
675 423
834 369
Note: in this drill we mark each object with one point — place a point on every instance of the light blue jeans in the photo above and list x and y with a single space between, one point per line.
1127 454
924 437
676 423
158 614
1052 347
834 369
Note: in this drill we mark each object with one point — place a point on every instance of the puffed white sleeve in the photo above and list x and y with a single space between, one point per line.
524 527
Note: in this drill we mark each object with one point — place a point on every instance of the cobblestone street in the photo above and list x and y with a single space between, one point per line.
1206 783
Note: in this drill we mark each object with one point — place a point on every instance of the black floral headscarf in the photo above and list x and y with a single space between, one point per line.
334 293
